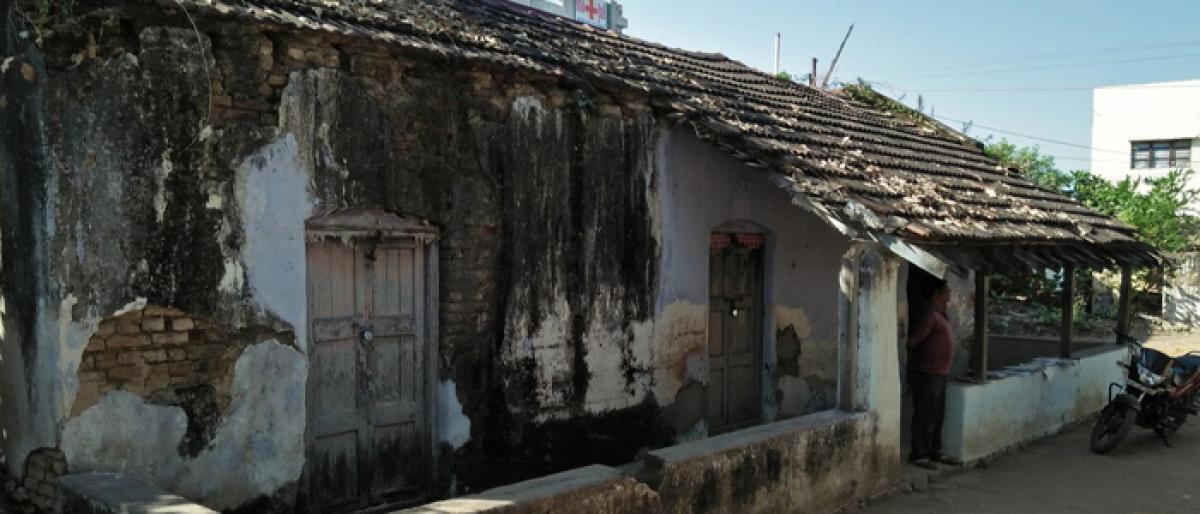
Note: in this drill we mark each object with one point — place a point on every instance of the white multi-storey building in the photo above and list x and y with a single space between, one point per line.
1145 130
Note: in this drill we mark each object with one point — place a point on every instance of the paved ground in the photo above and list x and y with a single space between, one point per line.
1059 475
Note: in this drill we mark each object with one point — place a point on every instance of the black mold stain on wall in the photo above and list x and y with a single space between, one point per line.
536 207
22 192
531 217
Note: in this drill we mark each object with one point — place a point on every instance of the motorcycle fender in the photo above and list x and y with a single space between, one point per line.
1127 401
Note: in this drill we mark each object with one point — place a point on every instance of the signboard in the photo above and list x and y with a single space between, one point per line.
592 12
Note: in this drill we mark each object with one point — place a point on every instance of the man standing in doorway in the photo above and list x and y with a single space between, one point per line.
931 350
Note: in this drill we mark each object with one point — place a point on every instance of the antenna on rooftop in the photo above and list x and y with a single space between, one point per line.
778 37
812 77
828 74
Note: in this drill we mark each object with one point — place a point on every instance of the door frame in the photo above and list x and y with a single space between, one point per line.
375 223
731 231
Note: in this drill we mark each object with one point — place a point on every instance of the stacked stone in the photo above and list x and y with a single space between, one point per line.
38 490
146 350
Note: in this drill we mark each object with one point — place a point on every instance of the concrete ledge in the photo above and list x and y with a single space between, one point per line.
114 493
746 437
815 463
596 488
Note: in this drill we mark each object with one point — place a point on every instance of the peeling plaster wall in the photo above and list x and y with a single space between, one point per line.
702 188
179 167
142 201
258 448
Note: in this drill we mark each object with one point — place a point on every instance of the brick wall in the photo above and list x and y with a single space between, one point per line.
37 491
155 348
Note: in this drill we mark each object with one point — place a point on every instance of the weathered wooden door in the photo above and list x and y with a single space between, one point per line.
734 333
367 407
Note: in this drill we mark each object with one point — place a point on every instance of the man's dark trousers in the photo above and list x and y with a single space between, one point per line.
929 413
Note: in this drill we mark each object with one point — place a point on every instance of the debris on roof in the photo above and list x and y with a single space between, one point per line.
855 159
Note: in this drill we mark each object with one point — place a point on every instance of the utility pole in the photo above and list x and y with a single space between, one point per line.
812 79
778 37
825 83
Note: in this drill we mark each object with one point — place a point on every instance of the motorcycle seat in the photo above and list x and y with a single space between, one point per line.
1187 366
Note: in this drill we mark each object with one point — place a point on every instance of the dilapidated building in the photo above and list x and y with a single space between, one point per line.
324 255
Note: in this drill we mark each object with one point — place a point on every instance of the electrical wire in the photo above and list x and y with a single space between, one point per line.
1051 89
991 61
1048 66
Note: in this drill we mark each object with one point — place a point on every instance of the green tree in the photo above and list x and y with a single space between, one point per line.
1029 160
1157 207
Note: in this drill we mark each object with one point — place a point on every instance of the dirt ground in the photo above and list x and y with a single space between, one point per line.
1059 475
1175 344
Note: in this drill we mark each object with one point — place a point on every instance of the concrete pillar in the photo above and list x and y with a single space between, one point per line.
869 377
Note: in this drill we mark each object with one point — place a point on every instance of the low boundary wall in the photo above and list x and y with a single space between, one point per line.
816 463
989 418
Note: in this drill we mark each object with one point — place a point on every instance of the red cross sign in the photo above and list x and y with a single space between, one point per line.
592 12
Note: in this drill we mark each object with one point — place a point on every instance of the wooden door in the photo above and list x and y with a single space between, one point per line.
367 405
734 337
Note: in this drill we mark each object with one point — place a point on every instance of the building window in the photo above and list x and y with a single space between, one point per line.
1176 153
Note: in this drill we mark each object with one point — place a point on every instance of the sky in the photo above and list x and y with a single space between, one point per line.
1017 66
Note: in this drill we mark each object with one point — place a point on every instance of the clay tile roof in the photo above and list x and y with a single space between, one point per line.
868 171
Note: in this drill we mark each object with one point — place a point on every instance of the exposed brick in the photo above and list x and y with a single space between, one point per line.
156 310
105 360
182 324
129 326
95 344
277 80
156 382
154 355
205 350
105 328
34 472
170 337
88 362
129 358
154 324
177 354
91 377
182 368
124 373
128 341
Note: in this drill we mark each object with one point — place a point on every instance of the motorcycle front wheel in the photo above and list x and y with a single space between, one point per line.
1114 424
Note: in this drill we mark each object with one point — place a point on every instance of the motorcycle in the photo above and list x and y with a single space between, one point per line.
1159 393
